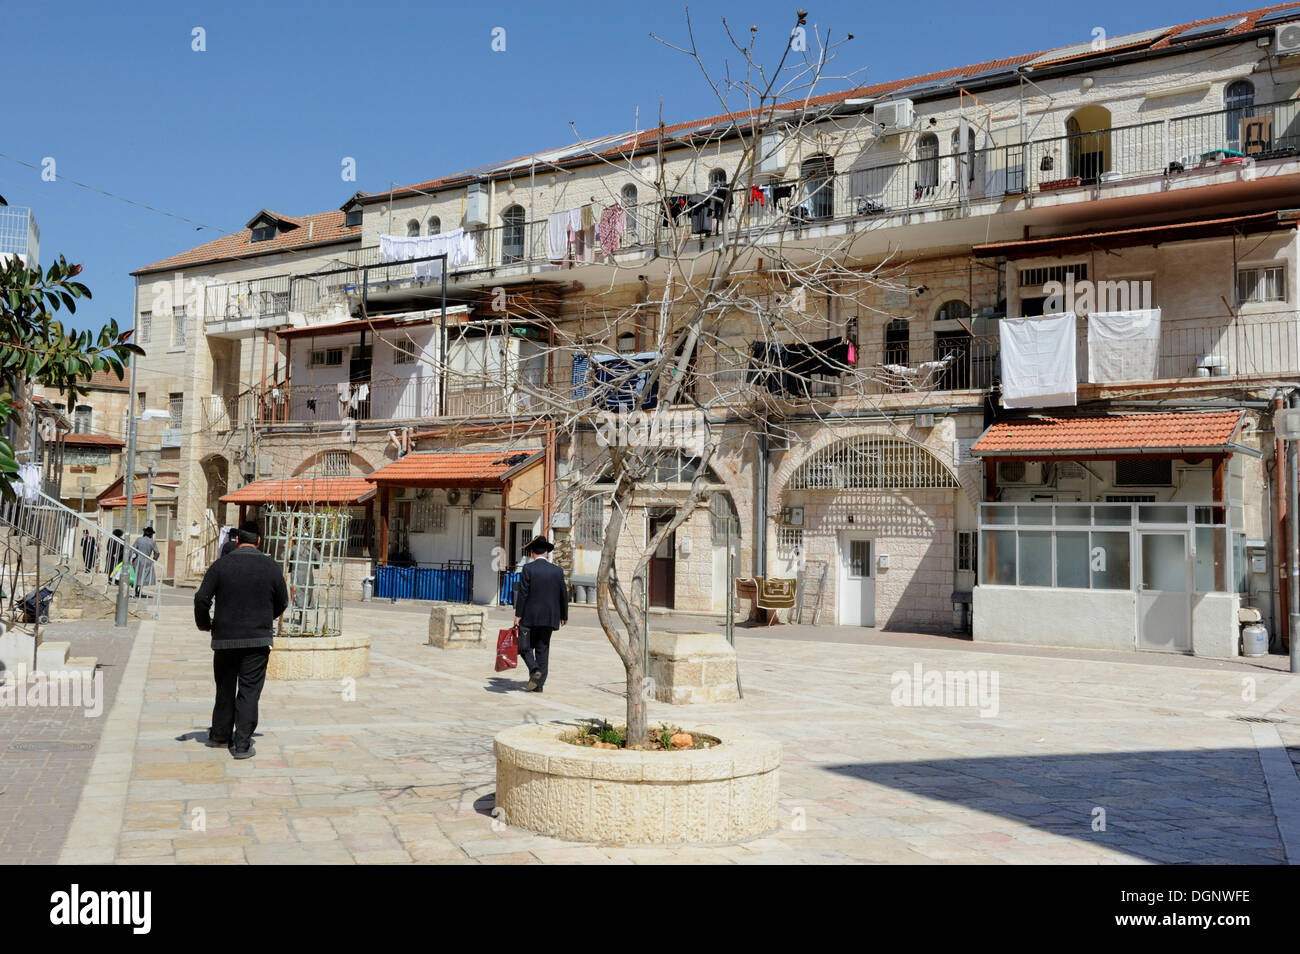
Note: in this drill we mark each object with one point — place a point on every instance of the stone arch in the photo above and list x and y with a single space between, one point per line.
358 465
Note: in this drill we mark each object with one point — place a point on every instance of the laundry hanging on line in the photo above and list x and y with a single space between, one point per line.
1124 346
1038 361
788 368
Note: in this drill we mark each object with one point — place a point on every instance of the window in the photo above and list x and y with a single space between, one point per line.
336 463
969 158
718 179
404 352
81 419
140 402
871 462
178 327
952 310
176 404
146 329
412 228
590 527
628 198
927 159
352 216
435 225
789 542
327 358
818 174
1238 102
965 551
627 343
487 527
897 334
723 522
1265 283
1144 472
88 456
262 233
512 234
1030 277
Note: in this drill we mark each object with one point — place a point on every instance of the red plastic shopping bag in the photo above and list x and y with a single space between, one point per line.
507 648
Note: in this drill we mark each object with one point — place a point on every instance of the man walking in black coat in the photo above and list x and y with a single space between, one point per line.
251 594
541 607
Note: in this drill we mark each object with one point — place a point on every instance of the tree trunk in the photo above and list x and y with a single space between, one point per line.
638 732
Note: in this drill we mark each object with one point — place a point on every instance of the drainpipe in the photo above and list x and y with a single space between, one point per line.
1293 556
1283 621
760 503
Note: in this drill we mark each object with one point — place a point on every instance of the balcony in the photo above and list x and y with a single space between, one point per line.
254 300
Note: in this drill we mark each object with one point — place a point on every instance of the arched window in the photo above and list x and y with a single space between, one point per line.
412 228
927 161
717 179
1087 134
1238 101
969 158
953 347
627 196
953 308
872 462
435 225
512 235
818 175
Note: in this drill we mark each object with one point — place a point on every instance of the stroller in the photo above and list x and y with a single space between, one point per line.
46 595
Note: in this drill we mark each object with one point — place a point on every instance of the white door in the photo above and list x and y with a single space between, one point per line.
485 526
1164 592
857 581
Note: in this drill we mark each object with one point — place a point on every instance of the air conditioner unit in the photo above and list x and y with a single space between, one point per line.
476 204
772 157
1286 39
895 115
1028 473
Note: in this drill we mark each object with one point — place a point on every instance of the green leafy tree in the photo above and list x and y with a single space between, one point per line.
36 349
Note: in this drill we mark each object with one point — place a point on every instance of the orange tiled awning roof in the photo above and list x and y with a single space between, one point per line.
92 440
1129 435
453 468
303 490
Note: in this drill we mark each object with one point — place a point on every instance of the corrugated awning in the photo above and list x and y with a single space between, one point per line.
303 490
1182 434
1127 238
455 468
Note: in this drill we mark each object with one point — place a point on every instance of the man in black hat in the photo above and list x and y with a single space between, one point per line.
251 594
541 607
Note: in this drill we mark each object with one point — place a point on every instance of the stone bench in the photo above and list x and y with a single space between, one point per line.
455 625
692 668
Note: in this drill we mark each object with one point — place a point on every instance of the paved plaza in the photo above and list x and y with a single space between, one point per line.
1077 757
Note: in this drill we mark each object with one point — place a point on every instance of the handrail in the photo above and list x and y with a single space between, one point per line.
57 530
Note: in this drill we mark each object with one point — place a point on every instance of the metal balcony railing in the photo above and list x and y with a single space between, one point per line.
253 299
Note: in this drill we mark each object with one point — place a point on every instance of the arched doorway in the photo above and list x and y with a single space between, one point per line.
512 235
1087 141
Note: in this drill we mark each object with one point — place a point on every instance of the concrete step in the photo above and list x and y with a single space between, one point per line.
80 664
52 655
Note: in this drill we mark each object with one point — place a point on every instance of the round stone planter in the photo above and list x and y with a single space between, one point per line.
615 796
319 657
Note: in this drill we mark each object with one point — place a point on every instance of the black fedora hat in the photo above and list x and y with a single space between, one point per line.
539 545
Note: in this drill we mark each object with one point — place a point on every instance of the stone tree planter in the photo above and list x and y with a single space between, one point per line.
617 796
319 657
693 668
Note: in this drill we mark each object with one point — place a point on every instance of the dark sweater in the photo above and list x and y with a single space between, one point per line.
251 594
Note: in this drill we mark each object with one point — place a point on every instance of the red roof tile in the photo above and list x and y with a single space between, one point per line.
322 228
1203 431
303 490
451 469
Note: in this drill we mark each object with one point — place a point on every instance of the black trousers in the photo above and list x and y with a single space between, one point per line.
537 651
240 674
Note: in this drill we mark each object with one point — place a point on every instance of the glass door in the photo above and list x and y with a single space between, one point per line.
1164 592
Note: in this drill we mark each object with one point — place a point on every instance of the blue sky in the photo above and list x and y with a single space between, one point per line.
116 95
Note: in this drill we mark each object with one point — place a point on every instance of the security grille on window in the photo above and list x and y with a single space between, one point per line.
870 462
336 464
590 526
1037 277
87 457
176 404
789 542
1144 473
404 352
487 527
327 358
146 329
81 419
178 328
965 550
1261 284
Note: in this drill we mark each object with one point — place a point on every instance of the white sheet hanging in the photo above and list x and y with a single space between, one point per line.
557 236
459 248
1038 362
1123 346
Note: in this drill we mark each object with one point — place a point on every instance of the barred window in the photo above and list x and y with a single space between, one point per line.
404 352
789 542
965 550
336 463
1261 284
590 525
722 513
870 462
1031 277
146 329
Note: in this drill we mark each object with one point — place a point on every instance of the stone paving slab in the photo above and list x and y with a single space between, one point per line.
405 773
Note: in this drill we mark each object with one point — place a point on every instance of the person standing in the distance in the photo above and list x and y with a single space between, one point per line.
541 607
89 550
113 551
251 594
145 559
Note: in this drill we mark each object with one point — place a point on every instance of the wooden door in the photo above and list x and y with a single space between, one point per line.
663 565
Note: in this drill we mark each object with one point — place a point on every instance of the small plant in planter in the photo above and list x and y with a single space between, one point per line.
666 738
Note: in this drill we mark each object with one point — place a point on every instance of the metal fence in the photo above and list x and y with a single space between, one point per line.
59 531
310 546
